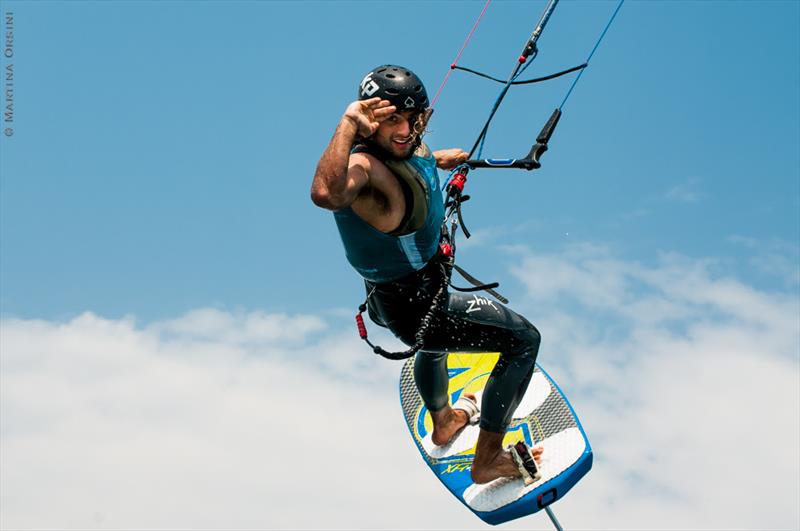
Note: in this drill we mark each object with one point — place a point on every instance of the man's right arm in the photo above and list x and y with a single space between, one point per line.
337 182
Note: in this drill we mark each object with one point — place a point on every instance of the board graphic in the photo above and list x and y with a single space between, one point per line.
543 418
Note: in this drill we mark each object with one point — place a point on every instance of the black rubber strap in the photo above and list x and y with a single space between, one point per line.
526 81
479 285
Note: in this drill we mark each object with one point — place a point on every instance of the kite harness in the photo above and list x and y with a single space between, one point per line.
456 182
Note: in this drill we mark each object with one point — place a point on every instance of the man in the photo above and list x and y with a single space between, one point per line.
381 182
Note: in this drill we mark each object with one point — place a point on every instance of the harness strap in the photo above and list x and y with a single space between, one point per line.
425 323
478 285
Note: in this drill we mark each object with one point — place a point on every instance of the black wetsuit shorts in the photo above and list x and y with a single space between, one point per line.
463 322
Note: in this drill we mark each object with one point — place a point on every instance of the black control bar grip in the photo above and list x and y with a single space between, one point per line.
529 161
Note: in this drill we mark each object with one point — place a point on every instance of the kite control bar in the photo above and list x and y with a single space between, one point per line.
531 160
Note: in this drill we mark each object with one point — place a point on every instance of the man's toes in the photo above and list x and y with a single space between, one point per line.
537 454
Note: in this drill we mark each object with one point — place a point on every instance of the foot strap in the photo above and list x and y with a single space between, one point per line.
525 462
470 406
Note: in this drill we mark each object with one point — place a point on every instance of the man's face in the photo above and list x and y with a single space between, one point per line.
395 134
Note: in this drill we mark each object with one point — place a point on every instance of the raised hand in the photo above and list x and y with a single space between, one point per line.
367 115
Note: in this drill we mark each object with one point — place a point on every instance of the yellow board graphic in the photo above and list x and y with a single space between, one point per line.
469 374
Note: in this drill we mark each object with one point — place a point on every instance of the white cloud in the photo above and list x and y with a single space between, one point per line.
774 257
684 193
686 382
252 327
113 426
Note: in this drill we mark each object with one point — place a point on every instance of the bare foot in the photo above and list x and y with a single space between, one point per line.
492 461
447 422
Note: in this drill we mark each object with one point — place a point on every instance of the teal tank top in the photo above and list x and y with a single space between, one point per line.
381 257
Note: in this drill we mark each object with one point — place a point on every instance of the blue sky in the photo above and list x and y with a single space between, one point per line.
155 194
164 151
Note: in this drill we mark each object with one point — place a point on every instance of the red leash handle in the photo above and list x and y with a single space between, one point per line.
362 329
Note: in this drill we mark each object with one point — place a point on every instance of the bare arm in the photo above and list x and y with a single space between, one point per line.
337 182
335 185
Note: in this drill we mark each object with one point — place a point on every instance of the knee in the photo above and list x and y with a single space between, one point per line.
529 340
534 337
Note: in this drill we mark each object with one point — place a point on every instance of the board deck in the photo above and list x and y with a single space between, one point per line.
543 418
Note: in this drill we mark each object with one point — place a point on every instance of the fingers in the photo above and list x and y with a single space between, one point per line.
458 155
367 115
377 110
447 159
371 102
375 103
537 453
369 107
384 112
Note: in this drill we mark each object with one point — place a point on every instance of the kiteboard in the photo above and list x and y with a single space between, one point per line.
544 418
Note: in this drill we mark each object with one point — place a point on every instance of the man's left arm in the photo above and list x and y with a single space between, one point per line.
447 159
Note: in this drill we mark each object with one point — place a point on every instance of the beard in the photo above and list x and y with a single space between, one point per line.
386 154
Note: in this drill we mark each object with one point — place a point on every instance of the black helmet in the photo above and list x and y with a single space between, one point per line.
399 85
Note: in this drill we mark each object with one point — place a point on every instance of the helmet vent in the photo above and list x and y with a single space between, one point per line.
397 84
